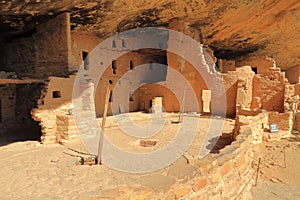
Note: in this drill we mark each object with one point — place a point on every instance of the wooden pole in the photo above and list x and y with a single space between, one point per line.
100 147
284 157
257 171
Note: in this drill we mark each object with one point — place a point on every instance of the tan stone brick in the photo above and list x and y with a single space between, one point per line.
179 193
226 168
206 168
240 159
216 176
200 184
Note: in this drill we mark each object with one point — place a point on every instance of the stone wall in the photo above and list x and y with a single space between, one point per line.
221 176
260 123
126 75
269 91
291 99
296 89
146 93
260 64
65 129
81 42
238 86
193 78
230 83
27 96
297 122
297 95
244 87
42 54
7 108
283 120
226 175
54 101
226 65
17 100
293 74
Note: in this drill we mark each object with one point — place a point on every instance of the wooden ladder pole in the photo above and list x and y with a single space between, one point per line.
257 170
182 106
284 157
100 146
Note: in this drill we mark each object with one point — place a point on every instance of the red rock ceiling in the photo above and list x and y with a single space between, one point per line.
231 27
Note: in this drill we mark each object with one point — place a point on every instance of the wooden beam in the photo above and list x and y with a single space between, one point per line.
19 81
100 147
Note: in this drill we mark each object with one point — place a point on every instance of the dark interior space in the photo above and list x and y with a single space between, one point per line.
25 127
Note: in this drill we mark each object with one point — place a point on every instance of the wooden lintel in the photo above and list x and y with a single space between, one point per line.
20 81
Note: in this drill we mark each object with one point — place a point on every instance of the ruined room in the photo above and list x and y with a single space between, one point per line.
154 99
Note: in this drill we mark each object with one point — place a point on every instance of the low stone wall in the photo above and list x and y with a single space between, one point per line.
65 129
225 175
297 122
283 120
260 124
54 101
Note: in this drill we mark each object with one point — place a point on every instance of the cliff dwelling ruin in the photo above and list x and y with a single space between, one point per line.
61 68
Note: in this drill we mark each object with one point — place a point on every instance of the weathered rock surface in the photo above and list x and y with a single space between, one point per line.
232 28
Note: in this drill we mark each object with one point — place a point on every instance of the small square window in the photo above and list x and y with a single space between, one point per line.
114 45
56 94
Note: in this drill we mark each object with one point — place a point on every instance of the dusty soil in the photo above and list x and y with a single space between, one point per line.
279 172
30 170
165 135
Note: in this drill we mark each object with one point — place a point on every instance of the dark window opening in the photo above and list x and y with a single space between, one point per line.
114 45
114 66
131 97
110 82
254 69
56 94
131 64
85 60
110 96
123 43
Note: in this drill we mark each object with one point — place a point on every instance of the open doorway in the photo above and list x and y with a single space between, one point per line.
85 60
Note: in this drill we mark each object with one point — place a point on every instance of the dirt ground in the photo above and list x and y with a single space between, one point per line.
30 170
279 171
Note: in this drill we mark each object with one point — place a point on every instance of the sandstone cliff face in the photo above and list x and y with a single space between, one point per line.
232 28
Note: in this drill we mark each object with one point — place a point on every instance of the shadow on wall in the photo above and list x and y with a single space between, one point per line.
218 143
17 124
